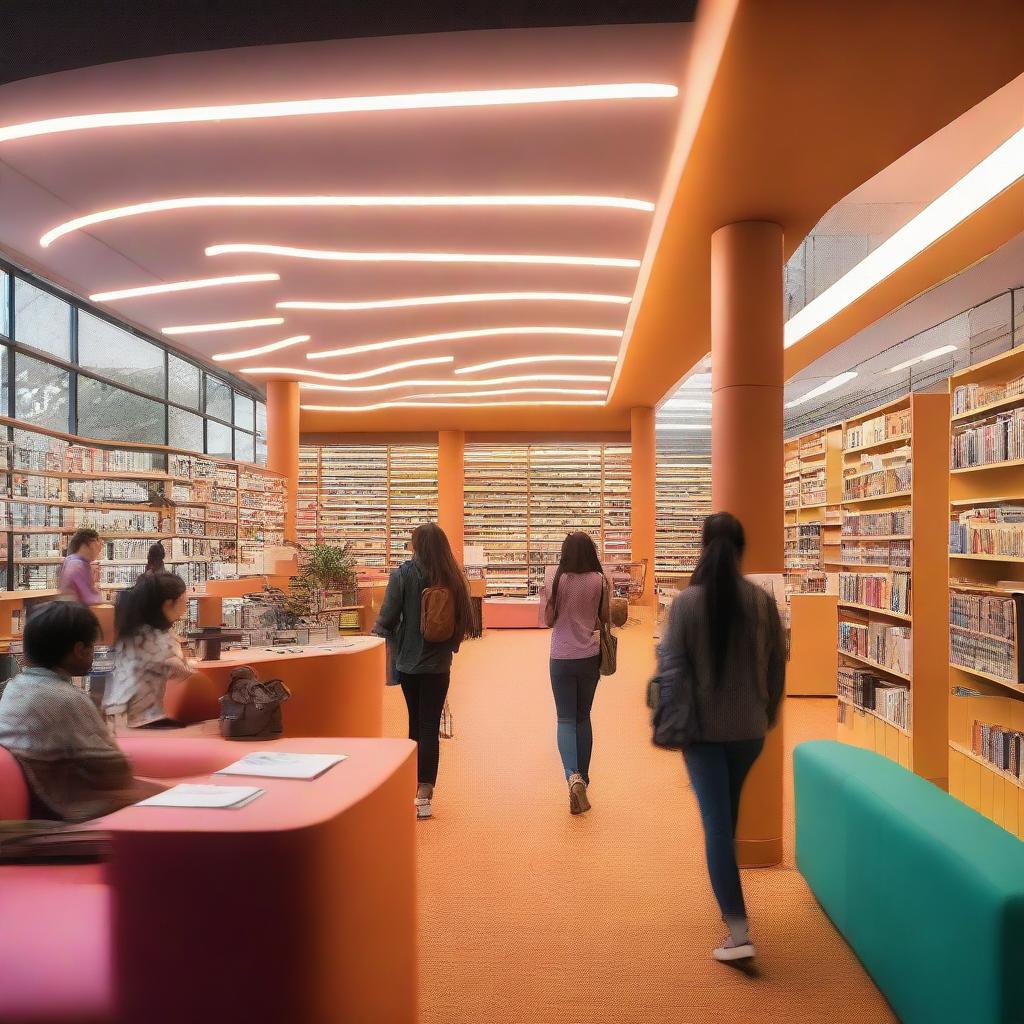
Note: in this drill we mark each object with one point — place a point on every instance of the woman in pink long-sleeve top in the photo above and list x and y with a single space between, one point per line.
573 601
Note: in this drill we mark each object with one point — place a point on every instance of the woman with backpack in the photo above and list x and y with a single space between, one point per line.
721 670
426 613
574 601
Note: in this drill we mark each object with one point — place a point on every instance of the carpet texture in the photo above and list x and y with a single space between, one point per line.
529 915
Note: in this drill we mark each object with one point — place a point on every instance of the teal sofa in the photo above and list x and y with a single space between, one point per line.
928 893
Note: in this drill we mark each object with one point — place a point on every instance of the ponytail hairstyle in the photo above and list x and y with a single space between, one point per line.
155 558
143 604
579 555
718 574
433 554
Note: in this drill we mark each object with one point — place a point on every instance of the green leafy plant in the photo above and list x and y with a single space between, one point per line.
327 567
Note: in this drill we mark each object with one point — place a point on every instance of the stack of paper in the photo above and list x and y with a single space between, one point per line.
192 795
282 765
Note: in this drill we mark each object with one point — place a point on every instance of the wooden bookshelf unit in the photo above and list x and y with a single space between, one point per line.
986 597
683 501
893 581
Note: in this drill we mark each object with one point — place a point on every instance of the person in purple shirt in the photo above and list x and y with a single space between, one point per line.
76 579
573 601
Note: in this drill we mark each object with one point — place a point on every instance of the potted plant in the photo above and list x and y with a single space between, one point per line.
328 569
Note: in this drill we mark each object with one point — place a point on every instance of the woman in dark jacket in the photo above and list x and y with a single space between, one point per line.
424 669
725 638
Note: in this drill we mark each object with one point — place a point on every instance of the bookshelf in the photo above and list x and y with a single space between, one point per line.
683 501
214 517
892 583
986 599
370 496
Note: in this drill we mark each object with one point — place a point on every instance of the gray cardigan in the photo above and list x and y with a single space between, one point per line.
743 703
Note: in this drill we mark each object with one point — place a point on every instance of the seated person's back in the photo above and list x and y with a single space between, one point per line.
73 768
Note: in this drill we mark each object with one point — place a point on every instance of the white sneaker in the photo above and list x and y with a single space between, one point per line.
423 808
731 950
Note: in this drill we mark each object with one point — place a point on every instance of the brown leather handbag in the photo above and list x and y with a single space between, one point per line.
251 710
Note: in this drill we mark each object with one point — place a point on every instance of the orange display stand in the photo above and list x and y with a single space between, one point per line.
337 689
813 660
300 906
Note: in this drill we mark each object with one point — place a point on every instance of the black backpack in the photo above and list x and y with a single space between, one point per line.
251 710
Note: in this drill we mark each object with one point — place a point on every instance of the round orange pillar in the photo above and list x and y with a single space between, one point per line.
283 443
643 463
747 461
451 505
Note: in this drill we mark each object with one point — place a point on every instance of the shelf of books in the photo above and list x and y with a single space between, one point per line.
683 502
892 582
616 502
214 517
986 588
370 496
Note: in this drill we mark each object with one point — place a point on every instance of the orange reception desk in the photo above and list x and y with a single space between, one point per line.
337 688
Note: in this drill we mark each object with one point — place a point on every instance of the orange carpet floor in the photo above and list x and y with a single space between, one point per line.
529 915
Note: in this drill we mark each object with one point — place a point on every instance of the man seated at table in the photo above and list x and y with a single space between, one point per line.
74 769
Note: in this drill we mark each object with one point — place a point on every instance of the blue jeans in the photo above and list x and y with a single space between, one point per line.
717 772
574 683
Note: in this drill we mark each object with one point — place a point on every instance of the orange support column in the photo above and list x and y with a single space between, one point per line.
451 505
643 463
746 459
283 442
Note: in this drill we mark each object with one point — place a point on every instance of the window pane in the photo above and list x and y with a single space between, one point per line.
185 430
41 393
245 415
182 382
119 355
41 320
110 413
4 322
218 399
261 452
5 354
218 439
245 450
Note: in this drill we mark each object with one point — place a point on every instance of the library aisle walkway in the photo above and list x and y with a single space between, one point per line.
531 916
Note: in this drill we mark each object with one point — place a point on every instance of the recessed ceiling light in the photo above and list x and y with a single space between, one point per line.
182 286
933 354
980 185
445 405
377 371
525 360
342 105
480 332
231 325
341 256
447 300
492 382
195 202
823 389
226 357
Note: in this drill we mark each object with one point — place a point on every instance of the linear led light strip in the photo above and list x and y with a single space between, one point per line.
446 405
447 300
182 286
480 332
344 256
933 354
490 393
288 372
226 357
196 202
494 381
823 389
343 105
230 325
526 360
980 185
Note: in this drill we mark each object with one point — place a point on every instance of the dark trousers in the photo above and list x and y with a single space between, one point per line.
574 683
717 772
425 695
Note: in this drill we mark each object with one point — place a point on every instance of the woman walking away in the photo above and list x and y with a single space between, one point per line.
426 612
724 646
574 601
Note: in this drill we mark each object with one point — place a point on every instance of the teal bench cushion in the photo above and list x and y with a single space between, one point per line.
928 893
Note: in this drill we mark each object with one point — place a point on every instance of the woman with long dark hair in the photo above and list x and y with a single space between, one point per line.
424 667
726 634
147 655
155 559
574 601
